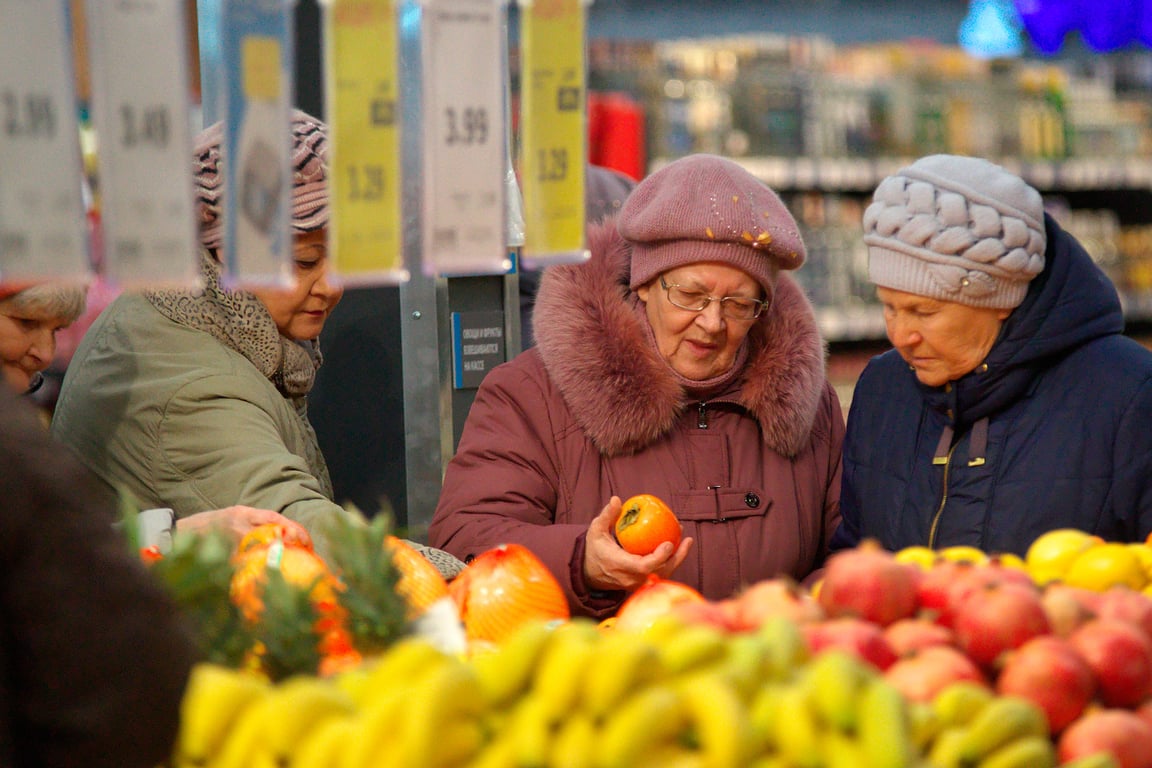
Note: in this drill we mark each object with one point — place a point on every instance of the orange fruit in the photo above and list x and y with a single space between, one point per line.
420 583
299 566
263 535
646 522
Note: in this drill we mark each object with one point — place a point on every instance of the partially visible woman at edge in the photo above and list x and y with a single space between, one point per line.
678 362
1011 403
194 399
30 317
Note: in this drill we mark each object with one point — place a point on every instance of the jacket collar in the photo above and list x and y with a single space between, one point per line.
623 394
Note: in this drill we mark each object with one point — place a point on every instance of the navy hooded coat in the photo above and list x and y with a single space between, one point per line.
1054 431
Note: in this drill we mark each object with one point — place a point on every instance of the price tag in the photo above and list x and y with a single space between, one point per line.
257 53
553 86
140 99
464 137
365 236
42 223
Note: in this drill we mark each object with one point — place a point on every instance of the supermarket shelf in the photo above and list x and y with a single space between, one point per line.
863 174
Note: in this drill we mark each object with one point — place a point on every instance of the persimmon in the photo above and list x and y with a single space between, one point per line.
646 522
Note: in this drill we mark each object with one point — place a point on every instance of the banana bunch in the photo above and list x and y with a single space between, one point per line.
975 728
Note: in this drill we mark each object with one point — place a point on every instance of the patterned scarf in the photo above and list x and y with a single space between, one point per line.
239 321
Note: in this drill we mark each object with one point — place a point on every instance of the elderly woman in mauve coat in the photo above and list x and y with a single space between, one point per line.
681 362
1012 403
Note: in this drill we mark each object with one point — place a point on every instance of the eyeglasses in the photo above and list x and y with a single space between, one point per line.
732 307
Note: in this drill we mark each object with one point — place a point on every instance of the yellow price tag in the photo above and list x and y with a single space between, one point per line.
553 87
260 61
365 236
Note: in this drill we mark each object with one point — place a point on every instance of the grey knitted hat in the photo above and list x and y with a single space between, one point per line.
958 229
708 208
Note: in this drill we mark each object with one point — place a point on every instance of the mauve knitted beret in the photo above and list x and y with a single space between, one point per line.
309 178
705 208
958 229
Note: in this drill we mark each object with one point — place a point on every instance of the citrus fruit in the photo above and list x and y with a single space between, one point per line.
646 522
1144 552
1106 565
962 553
918 555
1009 560
1050 554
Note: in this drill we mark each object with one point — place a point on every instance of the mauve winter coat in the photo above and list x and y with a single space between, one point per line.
594 411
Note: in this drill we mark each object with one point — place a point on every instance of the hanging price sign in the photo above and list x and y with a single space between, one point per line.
140 95
553 130
42 222
257 54
365 236
464 137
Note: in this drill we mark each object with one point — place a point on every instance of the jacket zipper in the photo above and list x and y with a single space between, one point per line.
943 500
702 416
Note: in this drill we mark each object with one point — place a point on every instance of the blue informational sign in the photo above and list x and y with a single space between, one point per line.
1104 25
257 53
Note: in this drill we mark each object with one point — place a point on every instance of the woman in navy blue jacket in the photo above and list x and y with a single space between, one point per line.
1011 403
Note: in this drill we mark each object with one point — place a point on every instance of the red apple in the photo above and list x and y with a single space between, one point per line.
998 618
775 597
907 636
1144 711
1120 656
720 614
1051 672
1117 731
869 583
864 639
1068 607
1128 605
923 674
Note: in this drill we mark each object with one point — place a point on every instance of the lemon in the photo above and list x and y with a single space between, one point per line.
1010 560
1144 552
1050 555
964 554
918 555
1107 565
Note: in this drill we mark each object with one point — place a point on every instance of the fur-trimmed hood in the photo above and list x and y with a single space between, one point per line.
623 393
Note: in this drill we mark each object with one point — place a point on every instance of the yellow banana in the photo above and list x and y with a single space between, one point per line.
787 648
213 701
648 719
673 756
623 663
531 731
449 694
833 681
883 729
574 743
762 716
797 731
377 730
945 749
923 723
745 664
1028 752
959 702
497 753
246 745
325 745
718 718
296 706
695 645
560 673
405 662
1004 719
841 750
505 672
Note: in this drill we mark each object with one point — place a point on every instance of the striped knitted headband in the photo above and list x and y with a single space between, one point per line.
309 178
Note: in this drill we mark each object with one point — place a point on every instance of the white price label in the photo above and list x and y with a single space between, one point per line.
140 99
257 53
42 224
464 137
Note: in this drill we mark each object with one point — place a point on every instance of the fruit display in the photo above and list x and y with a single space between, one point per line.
954 660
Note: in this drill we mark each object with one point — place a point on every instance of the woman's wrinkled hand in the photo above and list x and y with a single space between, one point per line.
239 520
607 566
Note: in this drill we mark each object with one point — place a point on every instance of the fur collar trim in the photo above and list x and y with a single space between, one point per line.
619 389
